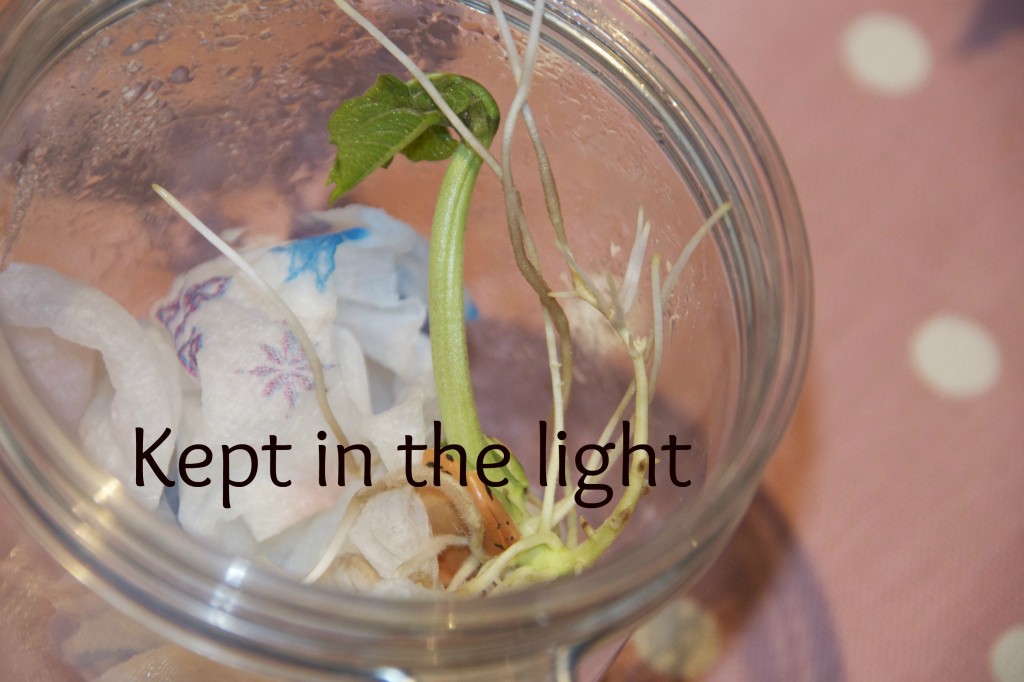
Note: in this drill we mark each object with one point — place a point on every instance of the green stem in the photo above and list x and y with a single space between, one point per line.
447 312
448 326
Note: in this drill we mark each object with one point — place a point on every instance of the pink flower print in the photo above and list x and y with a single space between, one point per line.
287 371
188 351
194 297
183 307
168 312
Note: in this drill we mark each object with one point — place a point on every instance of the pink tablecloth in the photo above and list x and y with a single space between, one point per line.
888 540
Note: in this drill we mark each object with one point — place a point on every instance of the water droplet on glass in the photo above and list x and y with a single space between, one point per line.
229 42
132 93
180 75
137 47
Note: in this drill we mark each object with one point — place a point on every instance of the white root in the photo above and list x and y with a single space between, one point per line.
490 573
558 419
691 246
543 162
631 280
467 569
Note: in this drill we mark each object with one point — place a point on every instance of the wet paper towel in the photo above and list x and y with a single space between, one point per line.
218 367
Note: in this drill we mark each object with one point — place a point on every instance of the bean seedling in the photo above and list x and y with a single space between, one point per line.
448 117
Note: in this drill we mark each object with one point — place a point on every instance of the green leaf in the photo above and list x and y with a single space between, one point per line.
395 117
435 144
369 130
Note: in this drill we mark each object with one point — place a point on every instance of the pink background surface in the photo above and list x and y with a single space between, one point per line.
888 540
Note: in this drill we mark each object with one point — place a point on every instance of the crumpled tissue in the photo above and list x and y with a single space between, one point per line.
226 371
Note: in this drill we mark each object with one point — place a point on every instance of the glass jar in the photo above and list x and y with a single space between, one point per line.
225 104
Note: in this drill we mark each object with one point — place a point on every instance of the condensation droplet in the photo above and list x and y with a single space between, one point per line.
180 75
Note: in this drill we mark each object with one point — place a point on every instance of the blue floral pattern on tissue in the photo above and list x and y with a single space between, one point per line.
315 255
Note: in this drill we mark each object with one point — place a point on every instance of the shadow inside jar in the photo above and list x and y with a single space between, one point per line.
993 20
759 613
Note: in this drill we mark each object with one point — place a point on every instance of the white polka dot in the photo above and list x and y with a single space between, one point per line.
682 640
955 356
1007 656
886 53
